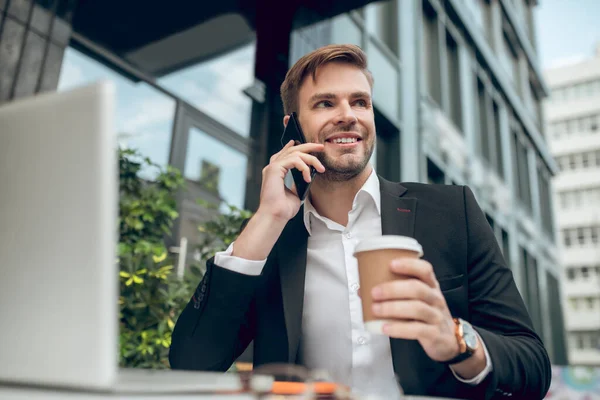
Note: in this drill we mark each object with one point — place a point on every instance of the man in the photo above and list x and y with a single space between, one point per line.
289 282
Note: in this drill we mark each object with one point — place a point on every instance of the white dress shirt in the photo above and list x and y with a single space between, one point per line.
333 334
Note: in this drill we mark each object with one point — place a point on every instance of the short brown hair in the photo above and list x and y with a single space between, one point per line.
308 65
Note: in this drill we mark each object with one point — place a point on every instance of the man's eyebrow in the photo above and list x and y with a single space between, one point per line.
360 94
332 96
322 96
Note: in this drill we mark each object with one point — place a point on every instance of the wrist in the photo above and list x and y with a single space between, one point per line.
472 366
270 218
258 237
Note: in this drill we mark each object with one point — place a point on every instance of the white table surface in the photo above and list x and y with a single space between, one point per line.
25 393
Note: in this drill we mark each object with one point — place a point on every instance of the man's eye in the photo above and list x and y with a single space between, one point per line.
361 103
323 104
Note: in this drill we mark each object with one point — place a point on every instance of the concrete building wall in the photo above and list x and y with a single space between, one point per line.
573 130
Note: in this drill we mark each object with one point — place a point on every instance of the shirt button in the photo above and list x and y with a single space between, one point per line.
362 340
355 287
347 235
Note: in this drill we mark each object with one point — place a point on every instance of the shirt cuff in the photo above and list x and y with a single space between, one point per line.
483 374
224 259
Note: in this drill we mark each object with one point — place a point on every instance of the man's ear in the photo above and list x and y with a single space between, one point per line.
286 119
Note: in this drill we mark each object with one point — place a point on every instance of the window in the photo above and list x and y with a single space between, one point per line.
509 59
498 136
216 87
571 126
577 91
381 19
506 248
483 118
144 116
580 236
594 234
215 168
585 160
590 302
574 303
545 199
455 103
579 341
562 198
431 53
523 175
561 128
595 341
567 238
571 274
532 291
585 272
581 126
434 174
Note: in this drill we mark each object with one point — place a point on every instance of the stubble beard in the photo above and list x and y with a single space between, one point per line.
336 171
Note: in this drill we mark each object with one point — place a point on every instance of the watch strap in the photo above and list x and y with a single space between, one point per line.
465 351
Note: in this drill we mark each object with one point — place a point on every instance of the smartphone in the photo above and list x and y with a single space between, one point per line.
293 131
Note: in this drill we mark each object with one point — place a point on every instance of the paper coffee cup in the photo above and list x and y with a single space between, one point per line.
374 257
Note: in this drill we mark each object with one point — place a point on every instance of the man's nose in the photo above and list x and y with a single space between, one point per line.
346 115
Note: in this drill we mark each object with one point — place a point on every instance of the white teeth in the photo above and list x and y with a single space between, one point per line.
345 140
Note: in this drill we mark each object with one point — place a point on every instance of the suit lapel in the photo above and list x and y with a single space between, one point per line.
292 271
398 215
397 212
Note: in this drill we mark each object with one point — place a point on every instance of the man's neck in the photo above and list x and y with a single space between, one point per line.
333 200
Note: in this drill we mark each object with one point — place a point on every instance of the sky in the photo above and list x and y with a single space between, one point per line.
567 30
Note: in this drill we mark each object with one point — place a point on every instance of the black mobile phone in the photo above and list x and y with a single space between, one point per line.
293 131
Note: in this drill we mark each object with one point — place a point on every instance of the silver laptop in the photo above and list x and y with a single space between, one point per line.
58 235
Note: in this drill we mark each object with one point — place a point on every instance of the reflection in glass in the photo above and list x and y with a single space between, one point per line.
215 168
344 30
385 90
216 87
144 116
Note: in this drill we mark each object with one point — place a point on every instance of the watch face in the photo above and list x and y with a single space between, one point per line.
469 335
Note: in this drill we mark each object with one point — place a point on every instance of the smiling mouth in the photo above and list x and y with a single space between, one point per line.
352 140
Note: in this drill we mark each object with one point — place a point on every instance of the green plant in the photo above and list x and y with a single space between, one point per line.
151 295
218 233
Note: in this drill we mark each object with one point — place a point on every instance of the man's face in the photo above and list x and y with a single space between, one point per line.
336 110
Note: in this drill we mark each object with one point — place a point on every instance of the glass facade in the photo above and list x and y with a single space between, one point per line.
144 115
216 87
471 123
215 167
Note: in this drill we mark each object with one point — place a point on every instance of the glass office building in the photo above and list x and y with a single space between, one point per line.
457 96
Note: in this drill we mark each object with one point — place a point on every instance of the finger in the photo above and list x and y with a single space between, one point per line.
283 150
297 162
415 268
407 289
304 148
312 161
309 147
408 310
412 330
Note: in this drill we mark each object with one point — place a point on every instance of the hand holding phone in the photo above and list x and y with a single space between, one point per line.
278 204
293 131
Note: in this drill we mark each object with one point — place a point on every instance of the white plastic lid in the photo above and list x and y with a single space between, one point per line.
389 242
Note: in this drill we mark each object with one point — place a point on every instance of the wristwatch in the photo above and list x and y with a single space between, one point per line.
467 341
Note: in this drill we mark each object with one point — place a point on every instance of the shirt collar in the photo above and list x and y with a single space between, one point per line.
370 189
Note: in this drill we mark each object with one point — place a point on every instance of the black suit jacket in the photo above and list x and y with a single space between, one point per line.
229 310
